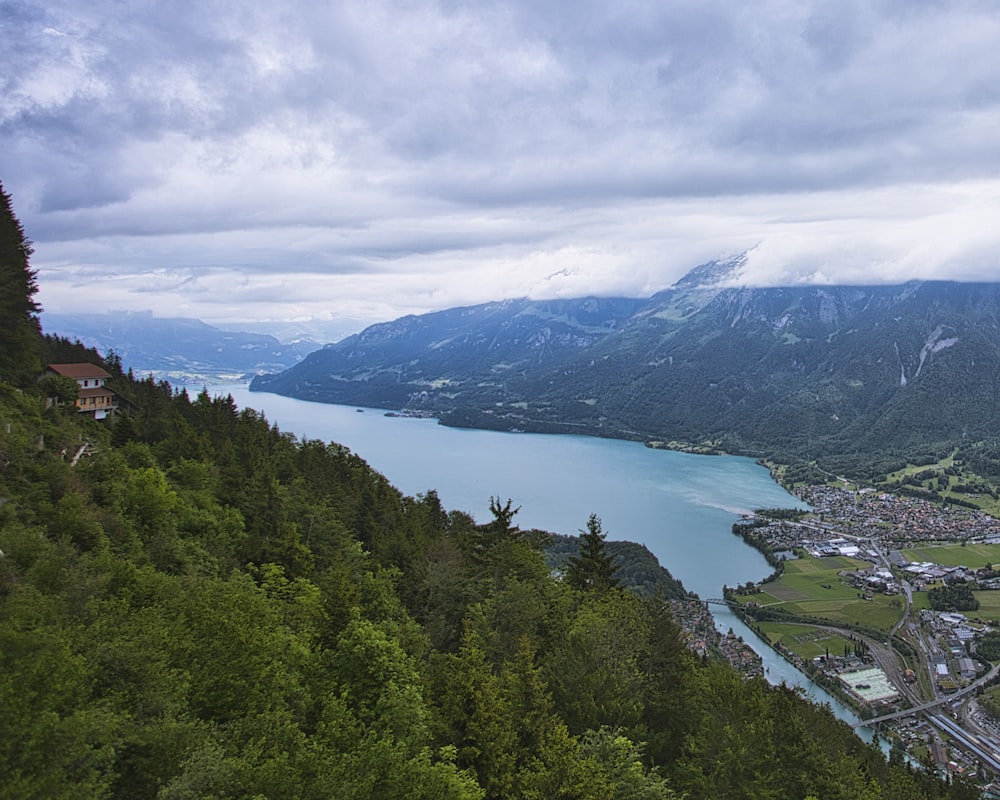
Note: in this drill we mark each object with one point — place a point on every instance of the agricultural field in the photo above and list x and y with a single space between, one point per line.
812 587
969 555
806 641
989 606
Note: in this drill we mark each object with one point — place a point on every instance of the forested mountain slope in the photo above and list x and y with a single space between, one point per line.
839 374
194 604
436 358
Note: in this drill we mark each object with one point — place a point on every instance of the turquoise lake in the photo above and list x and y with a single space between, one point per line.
680 506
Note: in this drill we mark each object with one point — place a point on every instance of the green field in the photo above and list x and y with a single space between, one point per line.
812 587
805 641
989 606
973 556
920 601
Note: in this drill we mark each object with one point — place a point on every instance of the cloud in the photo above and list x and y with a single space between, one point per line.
401 156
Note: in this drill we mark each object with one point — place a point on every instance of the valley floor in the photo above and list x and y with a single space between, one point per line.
850 607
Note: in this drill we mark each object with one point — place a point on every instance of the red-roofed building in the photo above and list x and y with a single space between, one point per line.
94 398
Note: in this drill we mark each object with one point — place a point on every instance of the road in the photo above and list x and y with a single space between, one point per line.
951 698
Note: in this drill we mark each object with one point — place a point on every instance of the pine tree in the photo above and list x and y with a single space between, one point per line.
594 569
20 332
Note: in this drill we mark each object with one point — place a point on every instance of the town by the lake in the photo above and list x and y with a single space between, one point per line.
892 604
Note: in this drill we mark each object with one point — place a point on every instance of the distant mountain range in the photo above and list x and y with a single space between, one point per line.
178 347
839 374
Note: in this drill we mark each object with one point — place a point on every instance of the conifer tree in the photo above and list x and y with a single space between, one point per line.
20 332
502 524
594 569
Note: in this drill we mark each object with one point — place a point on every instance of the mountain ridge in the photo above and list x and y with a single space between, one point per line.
178 346
787 372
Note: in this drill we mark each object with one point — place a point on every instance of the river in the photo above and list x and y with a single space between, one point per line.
681 506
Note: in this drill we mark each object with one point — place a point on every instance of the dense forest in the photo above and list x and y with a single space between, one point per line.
195 604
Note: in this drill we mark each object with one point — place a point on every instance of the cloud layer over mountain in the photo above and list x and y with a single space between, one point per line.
255 160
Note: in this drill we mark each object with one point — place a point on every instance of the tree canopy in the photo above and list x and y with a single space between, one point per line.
594 568
19 327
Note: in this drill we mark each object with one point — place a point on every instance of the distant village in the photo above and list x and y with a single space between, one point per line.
875 527
706 641
853 524
895 520
848 523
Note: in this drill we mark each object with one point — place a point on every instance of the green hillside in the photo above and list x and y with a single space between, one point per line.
194 604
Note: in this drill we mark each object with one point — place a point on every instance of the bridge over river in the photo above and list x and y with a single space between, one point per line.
718 601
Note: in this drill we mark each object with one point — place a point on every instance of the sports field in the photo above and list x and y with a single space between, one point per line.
812 587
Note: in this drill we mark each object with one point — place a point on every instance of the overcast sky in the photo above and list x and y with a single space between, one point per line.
355 161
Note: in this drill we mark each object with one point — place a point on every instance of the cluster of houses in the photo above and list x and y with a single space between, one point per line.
703 637
902 520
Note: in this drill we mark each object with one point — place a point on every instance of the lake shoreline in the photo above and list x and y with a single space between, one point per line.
678 504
